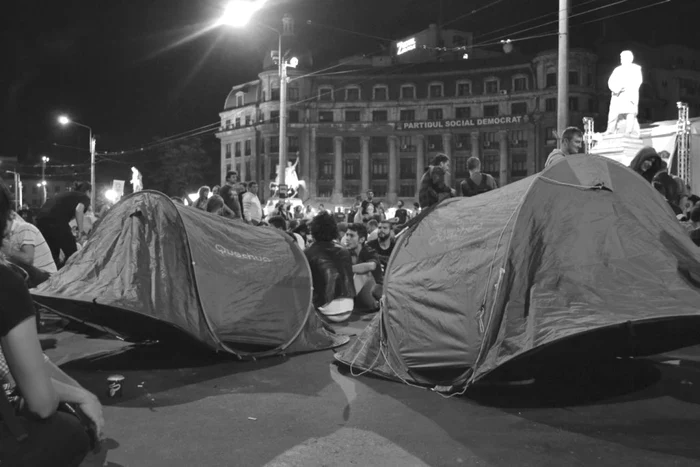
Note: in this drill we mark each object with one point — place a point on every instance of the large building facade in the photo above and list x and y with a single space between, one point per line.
375 123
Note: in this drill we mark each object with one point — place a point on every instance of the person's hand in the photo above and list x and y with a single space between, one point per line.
93 409
453 192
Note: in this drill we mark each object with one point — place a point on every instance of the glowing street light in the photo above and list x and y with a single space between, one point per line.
237 14
64 120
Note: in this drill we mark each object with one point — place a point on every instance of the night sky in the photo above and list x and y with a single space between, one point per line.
115 65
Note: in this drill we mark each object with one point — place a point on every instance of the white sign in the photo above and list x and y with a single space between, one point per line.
118 187
405 46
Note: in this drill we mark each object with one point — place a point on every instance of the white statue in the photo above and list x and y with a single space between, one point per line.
624 83
291 179
136 180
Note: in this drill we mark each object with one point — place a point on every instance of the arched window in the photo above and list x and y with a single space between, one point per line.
325 94
352 93
436 90
408 91
380 92
492 85
520 83
464 88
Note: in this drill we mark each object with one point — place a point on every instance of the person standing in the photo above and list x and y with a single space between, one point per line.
477 182
433 188
229 194
571 143
401 214
252 209
54 219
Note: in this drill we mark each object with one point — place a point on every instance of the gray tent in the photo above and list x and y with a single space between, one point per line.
153 268
583 259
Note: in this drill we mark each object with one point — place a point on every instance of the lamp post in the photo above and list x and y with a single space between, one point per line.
44 160
63 120
563 74
237 14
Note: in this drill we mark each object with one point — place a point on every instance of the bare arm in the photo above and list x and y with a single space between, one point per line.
26 362
80 217
363 268
25 254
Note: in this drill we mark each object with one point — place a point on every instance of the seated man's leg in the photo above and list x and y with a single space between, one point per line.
364 286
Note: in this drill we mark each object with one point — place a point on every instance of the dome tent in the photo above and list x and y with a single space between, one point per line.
154 269
582 259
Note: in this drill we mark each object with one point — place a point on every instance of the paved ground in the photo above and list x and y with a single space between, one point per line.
181 409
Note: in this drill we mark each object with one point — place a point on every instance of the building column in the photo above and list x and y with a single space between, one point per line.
242 171
475 145
313 164
393 170
364 163
420 160
338 170
303 171
254 159
531 133
447 148
503 156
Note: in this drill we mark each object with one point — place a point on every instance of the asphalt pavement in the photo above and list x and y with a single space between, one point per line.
182 407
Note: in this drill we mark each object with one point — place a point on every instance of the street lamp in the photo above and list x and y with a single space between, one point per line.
64 120
238 14
44 160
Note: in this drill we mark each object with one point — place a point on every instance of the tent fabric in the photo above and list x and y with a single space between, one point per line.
153 268
584 246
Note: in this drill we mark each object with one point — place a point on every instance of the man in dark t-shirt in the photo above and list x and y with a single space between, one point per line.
383 246
54 219
230 195
401 213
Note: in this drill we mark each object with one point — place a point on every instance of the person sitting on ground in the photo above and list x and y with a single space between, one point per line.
647 163
366 268
280 223
571 143
203 198
401 214
55 216
667 186
27 246
331 270
383 246
433 188
52 437
477 182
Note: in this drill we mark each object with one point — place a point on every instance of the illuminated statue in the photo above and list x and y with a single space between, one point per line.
624 84
136 180
291 179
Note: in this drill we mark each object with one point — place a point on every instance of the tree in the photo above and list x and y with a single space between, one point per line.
180 167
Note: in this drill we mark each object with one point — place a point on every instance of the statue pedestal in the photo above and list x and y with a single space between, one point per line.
620 148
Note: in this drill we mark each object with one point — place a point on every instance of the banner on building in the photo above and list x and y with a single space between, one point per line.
118 187
463 123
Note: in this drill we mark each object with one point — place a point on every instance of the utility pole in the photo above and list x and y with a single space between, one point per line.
563 75
93 191
44 160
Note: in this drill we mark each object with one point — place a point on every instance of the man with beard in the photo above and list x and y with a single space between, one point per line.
383 246
366 268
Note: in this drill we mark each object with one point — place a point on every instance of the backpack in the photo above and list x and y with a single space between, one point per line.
469 188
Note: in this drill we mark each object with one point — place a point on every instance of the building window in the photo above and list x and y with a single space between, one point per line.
274 146
324 145
324 190
379 189
491 86
460 166
240 101
463 112
238 149
464 141
435 90
407 168
325 94
292 143
489 141
228 168
352 94
518 139
380 116
263 96
350 188
325 116
352 115
550 138
293 94
325 169
406 144
551 79
407 115
275 94
351 169
238 122
574 79
275 116
228 150
550 105
407 189
247 120
381 93
434 142
408 92
518 165
434 114
589 79
464 88
293 116
228 124
351 145
491 164
518 108
247 171
380 169
378 144
247 147
491 111
573 104
520 83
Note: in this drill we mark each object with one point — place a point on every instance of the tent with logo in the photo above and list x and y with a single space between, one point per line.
156 270
580 261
